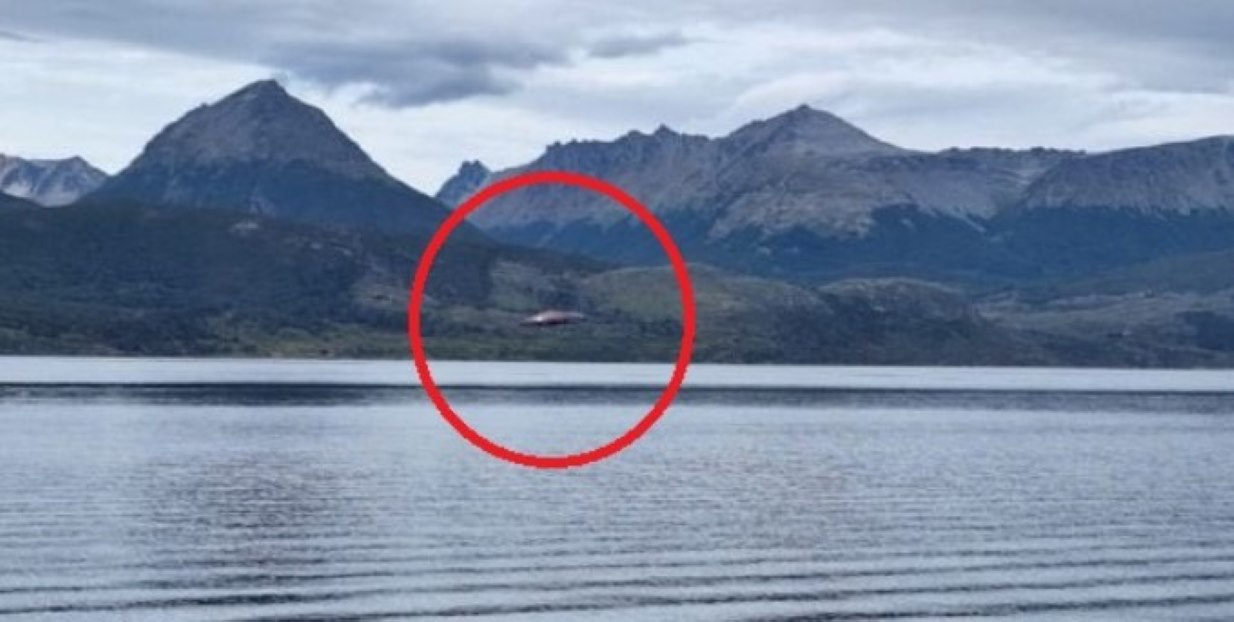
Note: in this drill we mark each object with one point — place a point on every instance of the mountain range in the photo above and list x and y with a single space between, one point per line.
807 196
254 226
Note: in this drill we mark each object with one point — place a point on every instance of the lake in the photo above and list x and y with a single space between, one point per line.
297 490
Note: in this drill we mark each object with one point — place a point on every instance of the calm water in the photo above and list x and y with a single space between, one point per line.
213 491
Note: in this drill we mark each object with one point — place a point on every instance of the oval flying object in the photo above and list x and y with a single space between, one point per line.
553 317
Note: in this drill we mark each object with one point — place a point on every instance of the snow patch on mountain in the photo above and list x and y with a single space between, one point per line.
51 183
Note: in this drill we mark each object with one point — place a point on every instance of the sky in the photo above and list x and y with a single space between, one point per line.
424 85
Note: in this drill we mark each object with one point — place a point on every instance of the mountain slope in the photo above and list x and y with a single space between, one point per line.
1177 177
470 177
11 202
261 151
1115 209
805 131
1175 311
806 196
749 319
802 195
253 226
51 183
136 280
104 279
111 279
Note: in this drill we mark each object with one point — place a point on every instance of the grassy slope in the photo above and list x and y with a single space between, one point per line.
140 281
126 280
1175 311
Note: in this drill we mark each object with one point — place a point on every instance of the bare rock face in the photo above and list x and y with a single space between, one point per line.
471 176
260 123
264 152
797 193
50 183
1179 178
804 131
807 195
1123 207
732 180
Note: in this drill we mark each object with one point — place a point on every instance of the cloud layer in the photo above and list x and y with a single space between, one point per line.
425 84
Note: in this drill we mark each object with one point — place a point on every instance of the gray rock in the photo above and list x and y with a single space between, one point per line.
51 183
262 151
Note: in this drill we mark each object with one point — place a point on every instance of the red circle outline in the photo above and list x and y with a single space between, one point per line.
415 302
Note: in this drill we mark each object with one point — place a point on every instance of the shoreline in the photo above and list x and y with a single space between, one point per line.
83 371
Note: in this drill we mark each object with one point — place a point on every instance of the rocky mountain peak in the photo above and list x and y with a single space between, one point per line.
268 89
473 168
261 122
808 131
471 175
50 183
261 151
664 131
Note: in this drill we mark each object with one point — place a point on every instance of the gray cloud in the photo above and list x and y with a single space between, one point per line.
469 78
408 54
417 52
1163 43
414 73
617 46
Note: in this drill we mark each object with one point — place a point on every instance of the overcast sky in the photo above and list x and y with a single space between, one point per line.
424 85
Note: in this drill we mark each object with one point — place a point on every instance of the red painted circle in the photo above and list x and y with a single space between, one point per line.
415 302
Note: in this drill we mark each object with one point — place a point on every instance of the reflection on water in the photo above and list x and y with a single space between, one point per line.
638 398
299 502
